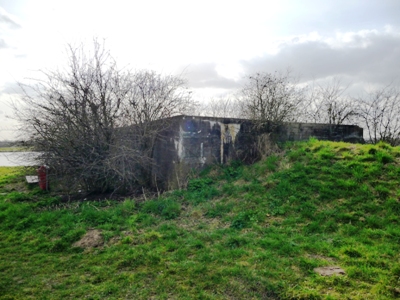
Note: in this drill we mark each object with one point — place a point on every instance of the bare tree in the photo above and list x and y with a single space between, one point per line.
222 107
271 97
329 104
153 99
380 114
94 123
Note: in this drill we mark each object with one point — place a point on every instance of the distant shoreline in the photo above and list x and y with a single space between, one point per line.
15 149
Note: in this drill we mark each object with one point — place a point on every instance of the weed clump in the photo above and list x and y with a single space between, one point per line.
167 208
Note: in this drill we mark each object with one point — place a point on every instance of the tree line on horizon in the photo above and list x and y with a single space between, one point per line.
278 97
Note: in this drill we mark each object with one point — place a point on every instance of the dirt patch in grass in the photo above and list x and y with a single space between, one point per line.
329 271
91 239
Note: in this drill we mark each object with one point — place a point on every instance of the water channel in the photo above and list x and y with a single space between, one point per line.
13 159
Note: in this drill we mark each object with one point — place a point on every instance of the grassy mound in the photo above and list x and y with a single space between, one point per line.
237 232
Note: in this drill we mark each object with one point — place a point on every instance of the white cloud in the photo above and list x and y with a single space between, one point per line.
366 55
8 20
214 43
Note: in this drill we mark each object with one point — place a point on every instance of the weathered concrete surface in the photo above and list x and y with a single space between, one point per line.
190 142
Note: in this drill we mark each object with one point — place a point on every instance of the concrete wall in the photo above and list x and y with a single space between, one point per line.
191 143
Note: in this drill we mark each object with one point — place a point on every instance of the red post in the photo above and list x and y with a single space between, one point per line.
43 180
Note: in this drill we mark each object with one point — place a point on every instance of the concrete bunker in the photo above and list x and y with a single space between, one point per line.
193 142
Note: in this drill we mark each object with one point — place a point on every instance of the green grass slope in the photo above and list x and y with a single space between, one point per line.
237 232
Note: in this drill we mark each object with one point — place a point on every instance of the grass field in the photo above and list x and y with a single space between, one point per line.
237 232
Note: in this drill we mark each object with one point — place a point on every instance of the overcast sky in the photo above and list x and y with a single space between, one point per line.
214 44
